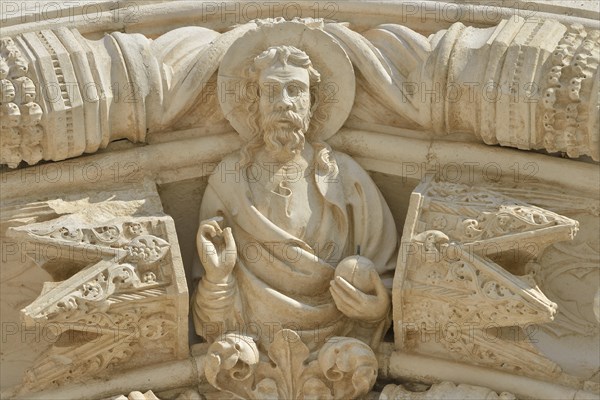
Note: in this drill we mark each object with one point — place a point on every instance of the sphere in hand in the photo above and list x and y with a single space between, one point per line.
356 270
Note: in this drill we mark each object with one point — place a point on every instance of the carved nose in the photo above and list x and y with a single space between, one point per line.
284 104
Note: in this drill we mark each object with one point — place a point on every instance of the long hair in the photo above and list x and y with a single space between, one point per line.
275 54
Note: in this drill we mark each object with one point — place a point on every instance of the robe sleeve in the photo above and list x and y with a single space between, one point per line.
213 304
373 226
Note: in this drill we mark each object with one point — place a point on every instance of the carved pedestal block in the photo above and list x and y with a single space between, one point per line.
118 299
444 390
464 288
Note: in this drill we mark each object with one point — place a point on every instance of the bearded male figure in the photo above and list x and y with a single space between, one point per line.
279 216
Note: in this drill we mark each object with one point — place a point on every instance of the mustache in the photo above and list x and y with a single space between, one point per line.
272 119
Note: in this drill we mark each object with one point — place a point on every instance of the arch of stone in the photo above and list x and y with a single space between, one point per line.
383 200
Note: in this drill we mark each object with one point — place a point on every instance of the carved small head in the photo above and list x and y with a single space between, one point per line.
25 90
11 115
7 91
4 69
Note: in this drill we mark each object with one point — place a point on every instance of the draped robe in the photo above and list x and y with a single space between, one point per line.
281 280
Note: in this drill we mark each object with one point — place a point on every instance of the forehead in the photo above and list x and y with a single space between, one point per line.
280 73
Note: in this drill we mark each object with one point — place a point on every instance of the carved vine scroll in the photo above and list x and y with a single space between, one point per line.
465 270
123 303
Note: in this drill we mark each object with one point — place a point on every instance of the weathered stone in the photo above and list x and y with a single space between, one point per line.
288 157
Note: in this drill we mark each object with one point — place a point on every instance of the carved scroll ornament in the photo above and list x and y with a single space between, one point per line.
64 95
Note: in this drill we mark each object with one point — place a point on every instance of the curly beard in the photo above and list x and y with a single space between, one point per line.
280 137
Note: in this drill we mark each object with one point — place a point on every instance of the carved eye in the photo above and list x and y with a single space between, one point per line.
293 90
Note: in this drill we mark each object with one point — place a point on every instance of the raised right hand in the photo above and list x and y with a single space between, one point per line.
217 250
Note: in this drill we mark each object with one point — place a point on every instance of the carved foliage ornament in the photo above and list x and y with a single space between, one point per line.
345 368
120 304
464 263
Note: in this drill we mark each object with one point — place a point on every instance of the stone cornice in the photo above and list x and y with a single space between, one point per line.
395 155
150 18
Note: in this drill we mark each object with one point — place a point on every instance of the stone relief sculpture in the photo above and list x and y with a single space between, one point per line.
278 217
302 275
295 240
532 89
117 298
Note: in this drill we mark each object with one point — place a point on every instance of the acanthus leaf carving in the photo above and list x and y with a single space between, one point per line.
344 368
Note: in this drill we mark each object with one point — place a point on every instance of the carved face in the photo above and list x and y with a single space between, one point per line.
284 109
284 97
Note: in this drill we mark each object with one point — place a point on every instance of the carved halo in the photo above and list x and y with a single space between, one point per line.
334 93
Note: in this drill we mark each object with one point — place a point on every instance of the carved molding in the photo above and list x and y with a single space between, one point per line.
398 65
190 394
443 390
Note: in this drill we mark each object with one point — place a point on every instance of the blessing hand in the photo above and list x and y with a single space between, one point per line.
217 250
